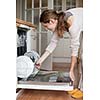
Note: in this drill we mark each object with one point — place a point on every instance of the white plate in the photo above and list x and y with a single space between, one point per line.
24 66
34 56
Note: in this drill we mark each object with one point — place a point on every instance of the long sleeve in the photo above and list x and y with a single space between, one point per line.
50 48
75 43
76 29
53 43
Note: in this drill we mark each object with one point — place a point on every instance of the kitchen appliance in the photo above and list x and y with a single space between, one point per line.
26 64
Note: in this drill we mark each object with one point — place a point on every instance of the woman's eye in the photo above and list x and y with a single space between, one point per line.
45 26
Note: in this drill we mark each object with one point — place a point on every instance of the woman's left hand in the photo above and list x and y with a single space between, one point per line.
37 65
72 75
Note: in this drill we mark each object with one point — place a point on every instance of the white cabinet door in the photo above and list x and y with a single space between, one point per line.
62 52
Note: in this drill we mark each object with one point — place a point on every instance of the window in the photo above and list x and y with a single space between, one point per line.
34 8
58 5
29 4
44 3
70 4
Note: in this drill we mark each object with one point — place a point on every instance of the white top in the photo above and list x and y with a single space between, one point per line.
75 31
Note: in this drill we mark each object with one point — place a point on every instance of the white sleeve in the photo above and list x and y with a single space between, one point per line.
53 43
75 34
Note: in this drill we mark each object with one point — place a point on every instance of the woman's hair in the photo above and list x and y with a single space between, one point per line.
52 14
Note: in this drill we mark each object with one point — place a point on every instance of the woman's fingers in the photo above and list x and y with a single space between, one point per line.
72 75
37 66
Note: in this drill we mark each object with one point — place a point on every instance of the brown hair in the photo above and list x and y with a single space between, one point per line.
62 24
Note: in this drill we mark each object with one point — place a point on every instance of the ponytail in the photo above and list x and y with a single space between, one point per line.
60 26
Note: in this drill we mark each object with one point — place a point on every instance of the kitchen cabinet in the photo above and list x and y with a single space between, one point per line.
26 37
62 52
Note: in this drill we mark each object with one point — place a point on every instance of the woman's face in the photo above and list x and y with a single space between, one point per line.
51 25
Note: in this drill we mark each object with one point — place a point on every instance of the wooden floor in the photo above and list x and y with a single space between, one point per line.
44 95
26 94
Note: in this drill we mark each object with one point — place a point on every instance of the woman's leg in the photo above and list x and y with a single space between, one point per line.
81 64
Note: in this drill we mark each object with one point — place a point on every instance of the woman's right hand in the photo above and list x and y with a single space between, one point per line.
38 63
37 66
41 59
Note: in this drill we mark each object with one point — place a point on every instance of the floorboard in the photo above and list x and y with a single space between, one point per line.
44 95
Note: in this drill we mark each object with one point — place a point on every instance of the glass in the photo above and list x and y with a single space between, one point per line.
29 15
29 4
44 3
58 5
57 2
58 8
36 3
74 2
70 4
36 18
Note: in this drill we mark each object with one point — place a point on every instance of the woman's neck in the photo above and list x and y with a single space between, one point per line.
70 21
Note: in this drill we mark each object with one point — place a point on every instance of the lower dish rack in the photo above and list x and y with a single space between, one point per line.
47 80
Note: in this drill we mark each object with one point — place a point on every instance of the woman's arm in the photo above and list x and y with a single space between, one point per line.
50 48
42 58
72 66
75 34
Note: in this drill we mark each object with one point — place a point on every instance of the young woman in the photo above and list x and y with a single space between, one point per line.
59 22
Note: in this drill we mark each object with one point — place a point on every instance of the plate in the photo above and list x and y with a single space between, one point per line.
24 66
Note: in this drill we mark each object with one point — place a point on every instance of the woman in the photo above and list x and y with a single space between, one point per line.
59 22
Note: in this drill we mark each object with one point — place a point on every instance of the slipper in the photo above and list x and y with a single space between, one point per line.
76 93
72 91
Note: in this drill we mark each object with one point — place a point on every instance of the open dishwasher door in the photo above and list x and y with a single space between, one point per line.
42 79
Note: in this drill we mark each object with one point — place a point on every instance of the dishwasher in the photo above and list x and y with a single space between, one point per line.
29 77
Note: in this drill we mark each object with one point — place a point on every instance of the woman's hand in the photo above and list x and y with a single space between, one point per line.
38 65
41 59
72 75
72 67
